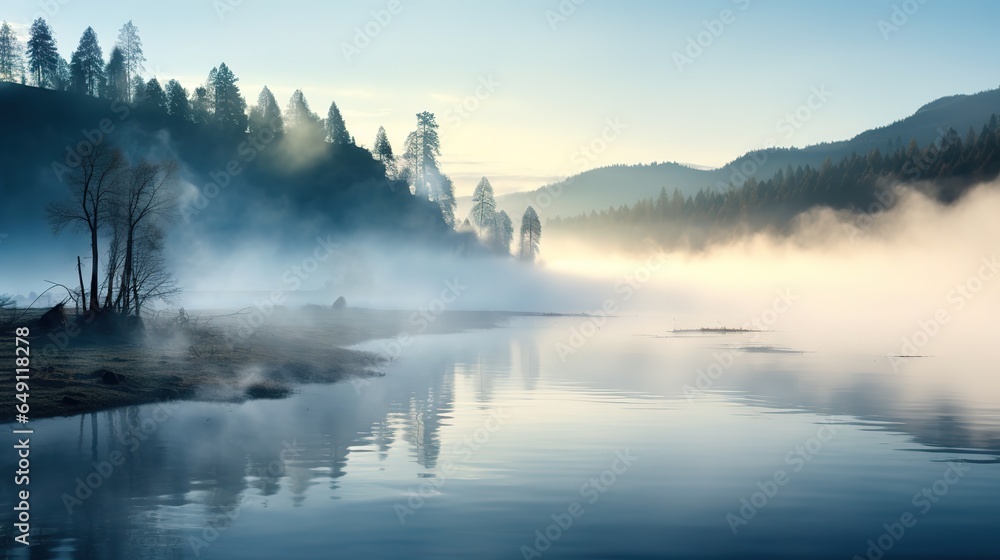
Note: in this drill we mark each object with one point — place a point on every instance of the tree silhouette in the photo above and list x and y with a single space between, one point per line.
201 105
230 107
300 118
178 104
92 185
266 115
531 235
444 195
43 59
336 130
115 81
155 97
63 78
502 233
151 278
210 90
484 206
140 200
382 151
133 59
11 55
87 65
422 148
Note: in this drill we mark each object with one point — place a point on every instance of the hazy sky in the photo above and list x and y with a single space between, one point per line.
557 83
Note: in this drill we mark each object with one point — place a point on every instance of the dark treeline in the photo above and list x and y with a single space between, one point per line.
945 169
239 174
213 124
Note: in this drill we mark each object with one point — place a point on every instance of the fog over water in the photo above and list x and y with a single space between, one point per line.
913 288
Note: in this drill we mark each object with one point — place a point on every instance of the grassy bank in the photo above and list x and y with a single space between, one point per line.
213 355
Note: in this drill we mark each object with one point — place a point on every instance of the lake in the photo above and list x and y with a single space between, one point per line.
548 437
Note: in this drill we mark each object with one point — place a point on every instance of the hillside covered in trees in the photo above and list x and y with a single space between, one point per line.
241 174
943 169
588 189
235 158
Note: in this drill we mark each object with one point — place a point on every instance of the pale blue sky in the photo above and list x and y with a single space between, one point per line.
557 87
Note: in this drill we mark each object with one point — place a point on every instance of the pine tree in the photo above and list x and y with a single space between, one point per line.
155 97
383 152
970 137
63 78
115 83
132 57
423 146
11 55
178 105
87 65
230 107
138 90
43 59
336 130
502 234
298 112
265 116
445 197
200 105
301 120
210 90
531 234
484 206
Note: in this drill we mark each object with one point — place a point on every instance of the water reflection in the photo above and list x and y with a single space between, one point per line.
329 464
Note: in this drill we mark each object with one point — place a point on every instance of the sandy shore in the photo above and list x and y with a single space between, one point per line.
215 355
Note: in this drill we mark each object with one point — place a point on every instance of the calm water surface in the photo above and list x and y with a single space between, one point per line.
513 443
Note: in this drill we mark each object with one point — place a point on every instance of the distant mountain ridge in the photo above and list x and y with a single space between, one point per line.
616 185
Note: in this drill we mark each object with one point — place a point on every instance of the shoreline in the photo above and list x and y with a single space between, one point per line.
221 357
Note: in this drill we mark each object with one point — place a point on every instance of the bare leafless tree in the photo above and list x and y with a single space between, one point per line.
114 258
91 185
151 278
143 201
127 204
